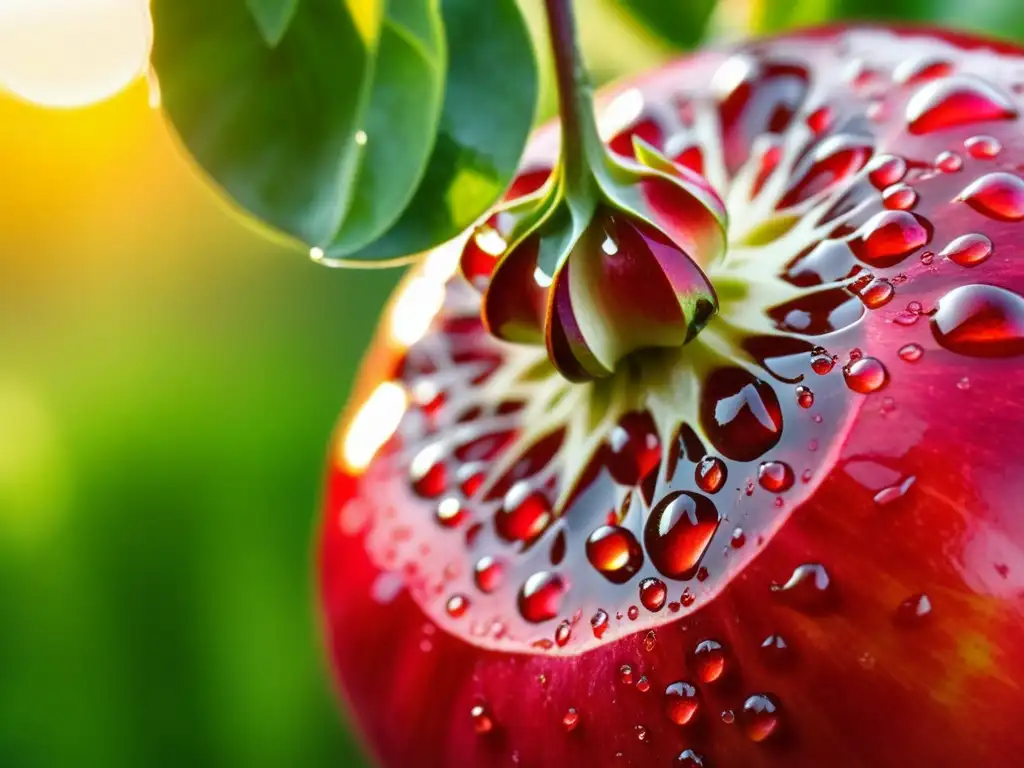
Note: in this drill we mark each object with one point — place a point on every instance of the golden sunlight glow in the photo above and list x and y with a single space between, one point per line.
69 53
418 302
374 423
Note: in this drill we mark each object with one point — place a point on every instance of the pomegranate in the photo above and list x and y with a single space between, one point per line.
789 536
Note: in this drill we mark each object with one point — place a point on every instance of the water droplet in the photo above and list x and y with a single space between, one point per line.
689 759
809 588
633 613
728 717
982 147
710 474
804 397
457 606
968 250
775 476
634 448
740 414
899 197
626 674
877 293
709 660
956 100
643 684
540 597
913 610
821 361
599 623
865 375
653 594
524 513
738 538
570 719
775 650
488 574
427 472
760 716
615 553
687 598
677 532
450 512
650 640
681 703
980 321
562 634
949 162
927 257
892 493
998 195
481 717
641 732
888 237
911 353
886 170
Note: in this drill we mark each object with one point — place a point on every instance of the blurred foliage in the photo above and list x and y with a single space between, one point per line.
168 385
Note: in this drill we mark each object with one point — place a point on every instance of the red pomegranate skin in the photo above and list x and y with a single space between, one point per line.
899 640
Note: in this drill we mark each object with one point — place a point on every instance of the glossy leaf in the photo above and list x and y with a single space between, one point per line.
681 23
273 17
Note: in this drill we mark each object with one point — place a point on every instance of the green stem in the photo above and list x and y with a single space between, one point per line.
575 99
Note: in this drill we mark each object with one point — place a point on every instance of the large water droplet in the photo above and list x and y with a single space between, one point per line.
956 100
740 414
634 448
540 597
980 321
760 716
677 532
888 237
865 375
710 474
615 553
998 195
709 660
653 594
488 574
775 476
681 703
524 513
899 197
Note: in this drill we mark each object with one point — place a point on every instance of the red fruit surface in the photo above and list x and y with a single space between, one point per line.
816 559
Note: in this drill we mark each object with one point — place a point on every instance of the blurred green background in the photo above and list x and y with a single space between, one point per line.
168 384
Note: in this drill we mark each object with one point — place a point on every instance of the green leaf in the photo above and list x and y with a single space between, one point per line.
371 129
681 23
273 17
489 103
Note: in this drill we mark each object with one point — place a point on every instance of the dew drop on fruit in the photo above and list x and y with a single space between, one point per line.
681 703
821 361
949 162
804 397
740 414
968 250
570 719
599 623
899 197
634 448
562 634
427 472
760 716
738 538
710 474
615 553
914 610
809 588
524 513
865 375
633 613
689 759
982 147
911 353
480 715
709 660
677 532
643 684
540 597
775 476
886 170
998 195
956 100
450 512
888 237
980 321
653 594
457 606
488 573
877 293
626 674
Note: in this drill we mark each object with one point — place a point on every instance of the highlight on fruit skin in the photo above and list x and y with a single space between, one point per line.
794 541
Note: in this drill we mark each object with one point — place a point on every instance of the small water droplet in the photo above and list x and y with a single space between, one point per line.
641 732
911 353
913 610
886 170
653 594
643 684
615 553
949 162
809 588
709 660
728 717
998 195
894 492
427 472
738 538
481 718
681 703
540 597
775 476
524 513
761 716
570 719
626 674
982 147
599 623
821 361
980 321
968 250
878 293
687 598
633 613
927 257
899 197
677 532
488 574
457 606
710 474
450 512
865 375
956 100
804 397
